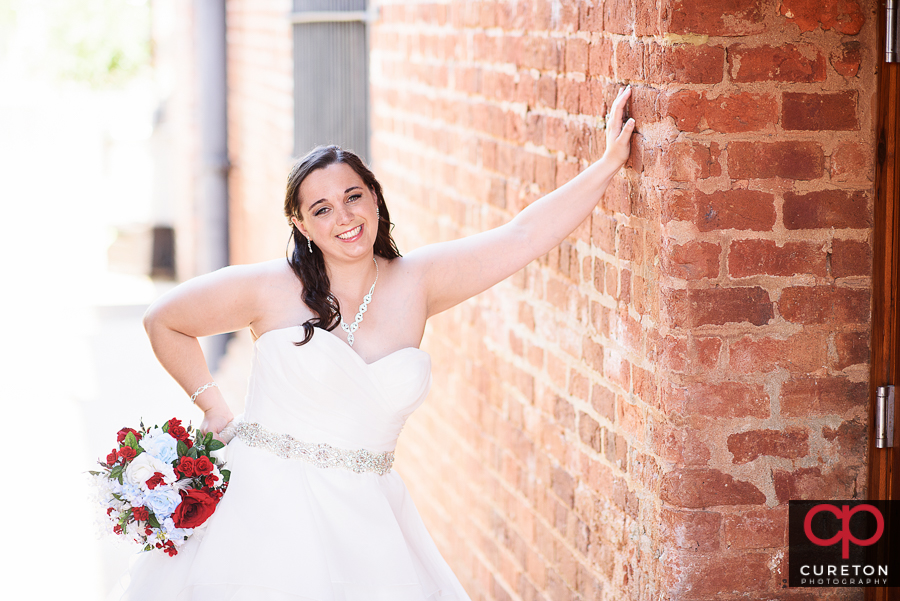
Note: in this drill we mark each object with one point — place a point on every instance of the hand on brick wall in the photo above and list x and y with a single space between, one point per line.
618 134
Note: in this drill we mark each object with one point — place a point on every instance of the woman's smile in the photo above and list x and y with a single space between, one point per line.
351 235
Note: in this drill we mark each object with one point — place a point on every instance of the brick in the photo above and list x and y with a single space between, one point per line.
726 576
696 531
698 488
736 113
789 63
630 60
576 55
815 112
791 443
847 58
692 261
845 16
727 400
850 258
757 529
803 352
827 395
686 108
851 439
563 484
589 431
764 257
852 348
647 19
718 306
690 161
603 401
811 483
618 17
826 209
732 209
851 161
790 160
686 63
567 95
715 17
600 58
825 305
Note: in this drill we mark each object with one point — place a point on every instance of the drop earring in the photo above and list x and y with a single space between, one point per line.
309 244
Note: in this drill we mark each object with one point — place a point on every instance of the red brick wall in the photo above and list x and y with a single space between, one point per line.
628 416
260 125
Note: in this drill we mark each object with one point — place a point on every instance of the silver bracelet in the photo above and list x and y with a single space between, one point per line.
201 389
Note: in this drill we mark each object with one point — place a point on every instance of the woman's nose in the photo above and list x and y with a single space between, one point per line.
344 214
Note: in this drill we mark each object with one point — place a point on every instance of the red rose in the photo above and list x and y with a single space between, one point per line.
196 506
178 432
127 453
173 423
203 466
185 466
148 530
210 480
109 511
117 529
121 434
140 513
155 480
112 457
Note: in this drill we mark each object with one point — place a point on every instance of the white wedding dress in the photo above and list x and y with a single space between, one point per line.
287 530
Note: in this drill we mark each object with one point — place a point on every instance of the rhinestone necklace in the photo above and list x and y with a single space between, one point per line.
350 329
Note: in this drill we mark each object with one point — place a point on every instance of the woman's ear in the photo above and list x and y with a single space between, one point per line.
299 225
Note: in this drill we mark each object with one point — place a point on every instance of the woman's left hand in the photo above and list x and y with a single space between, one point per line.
618 135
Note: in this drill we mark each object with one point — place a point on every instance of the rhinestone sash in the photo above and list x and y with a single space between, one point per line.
318 454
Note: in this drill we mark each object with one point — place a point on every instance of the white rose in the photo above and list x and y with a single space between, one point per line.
144 466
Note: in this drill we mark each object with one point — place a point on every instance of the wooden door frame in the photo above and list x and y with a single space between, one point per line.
883 475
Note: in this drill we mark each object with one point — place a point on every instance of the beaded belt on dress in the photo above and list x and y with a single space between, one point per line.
318 454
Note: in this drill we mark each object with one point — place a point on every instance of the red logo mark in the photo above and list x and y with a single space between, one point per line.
844 514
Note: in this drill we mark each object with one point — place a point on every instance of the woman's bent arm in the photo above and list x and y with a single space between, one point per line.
457 270
222 301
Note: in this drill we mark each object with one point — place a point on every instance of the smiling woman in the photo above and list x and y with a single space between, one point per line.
313 509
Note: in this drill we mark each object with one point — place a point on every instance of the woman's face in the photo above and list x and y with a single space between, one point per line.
338 211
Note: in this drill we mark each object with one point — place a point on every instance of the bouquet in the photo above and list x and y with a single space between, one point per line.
159 485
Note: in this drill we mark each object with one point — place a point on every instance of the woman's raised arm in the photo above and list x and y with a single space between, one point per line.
223 301
457 270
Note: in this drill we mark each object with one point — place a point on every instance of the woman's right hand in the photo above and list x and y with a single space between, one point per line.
215 419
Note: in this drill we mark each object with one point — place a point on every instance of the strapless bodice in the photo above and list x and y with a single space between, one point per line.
324 392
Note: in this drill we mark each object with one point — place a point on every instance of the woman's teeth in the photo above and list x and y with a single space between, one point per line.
351 233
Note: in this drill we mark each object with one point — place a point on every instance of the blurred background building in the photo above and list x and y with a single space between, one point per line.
626 418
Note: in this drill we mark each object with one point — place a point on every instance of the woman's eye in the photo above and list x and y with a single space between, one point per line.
355 197
321 211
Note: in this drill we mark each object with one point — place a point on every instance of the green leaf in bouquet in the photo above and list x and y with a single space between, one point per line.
151 519
207 439
215 445
182 448
131 440
117 496
226 475
165 427
93 473
192 452
116 471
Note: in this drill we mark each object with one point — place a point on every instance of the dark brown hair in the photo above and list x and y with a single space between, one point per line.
310 267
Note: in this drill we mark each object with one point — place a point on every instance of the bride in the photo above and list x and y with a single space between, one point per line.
313 510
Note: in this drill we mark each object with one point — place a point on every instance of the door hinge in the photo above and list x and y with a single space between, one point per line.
890 32
884 417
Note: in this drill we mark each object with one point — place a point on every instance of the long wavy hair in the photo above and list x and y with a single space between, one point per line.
310 267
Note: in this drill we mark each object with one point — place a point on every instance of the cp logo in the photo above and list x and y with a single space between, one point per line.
844 514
